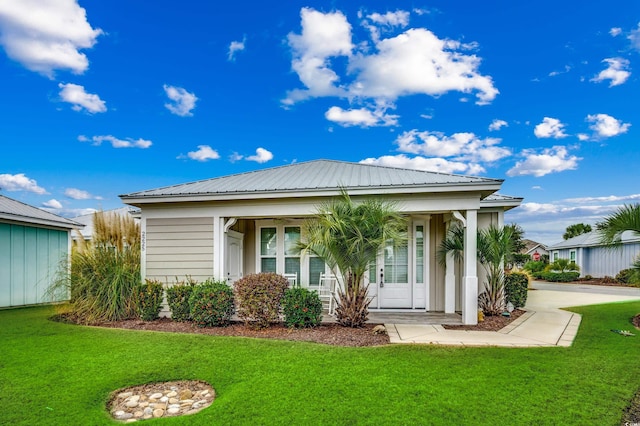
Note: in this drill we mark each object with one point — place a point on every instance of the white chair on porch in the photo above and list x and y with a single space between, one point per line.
327 291
292 278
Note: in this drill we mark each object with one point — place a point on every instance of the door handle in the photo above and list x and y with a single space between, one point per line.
381 277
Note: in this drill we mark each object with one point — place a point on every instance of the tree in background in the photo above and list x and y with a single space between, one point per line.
575 230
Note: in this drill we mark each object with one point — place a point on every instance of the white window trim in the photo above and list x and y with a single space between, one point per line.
280 256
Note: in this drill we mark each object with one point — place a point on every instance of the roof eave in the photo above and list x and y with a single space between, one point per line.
37 221
485 188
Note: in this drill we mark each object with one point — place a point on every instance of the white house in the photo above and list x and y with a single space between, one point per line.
229 226
595 259
33 242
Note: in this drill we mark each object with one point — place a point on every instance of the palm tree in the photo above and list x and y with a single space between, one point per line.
495 250
626 218
348 237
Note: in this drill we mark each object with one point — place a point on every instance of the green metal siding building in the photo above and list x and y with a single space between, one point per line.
33 243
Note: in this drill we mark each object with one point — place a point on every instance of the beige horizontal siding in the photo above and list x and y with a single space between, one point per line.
171 250
179 247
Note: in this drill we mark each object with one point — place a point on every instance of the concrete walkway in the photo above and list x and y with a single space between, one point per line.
544 323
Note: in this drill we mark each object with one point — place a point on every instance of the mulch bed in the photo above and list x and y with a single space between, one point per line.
490 323
328 334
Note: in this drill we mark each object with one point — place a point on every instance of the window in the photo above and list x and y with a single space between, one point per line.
396 264
291 254
277 251
572 256
316 267
555 256
268 249
419 239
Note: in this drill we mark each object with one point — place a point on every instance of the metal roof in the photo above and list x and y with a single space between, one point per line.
315 175
18 211
591 239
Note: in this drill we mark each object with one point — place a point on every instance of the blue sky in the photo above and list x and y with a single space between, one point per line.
105 98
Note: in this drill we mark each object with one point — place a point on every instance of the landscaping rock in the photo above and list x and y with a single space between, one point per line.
160 400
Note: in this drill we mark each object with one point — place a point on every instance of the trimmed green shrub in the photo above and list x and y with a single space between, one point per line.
302 308
178 299
624 276
258 298
563 277
515 288
149 298
211 303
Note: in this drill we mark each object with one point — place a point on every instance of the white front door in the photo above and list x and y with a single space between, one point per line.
394 288
234 254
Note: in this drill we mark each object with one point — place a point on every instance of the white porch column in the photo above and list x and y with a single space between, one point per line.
449 282
218 247
470 278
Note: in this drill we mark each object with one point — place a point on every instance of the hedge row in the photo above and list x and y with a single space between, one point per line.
258 298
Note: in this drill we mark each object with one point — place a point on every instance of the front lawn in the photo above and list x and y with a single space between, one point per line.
54 373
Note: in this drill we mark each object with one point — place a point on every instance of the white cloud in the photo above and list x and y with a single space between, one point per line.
399 18
262 156
546 222
418 62
462 147
634 37
616 72
549 160
235 157
583 137
414 62
117 143
550 128
606 126
183 101
439 165
235 47
376 22
20 182
76 95
615 31
204 153
323 36
497 125
52 204
608 199
360 117
46 35
567 68
79 194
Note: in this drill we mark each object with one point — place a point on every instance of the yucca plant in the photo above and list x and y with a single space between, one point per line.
104 273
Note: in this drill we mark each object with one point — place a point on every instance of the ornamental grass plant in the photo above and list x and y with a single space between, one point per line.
103 274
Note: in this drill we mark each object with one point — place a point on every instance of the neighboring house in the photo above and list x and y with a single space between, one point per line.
33 242
87 221
230 226
595 259
533 247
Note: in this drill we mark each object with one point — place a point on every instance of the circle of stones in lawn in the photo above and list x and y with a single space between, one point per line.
165 399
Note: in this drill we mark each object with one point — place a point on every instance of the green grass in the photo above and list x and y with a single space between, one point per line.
59 374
